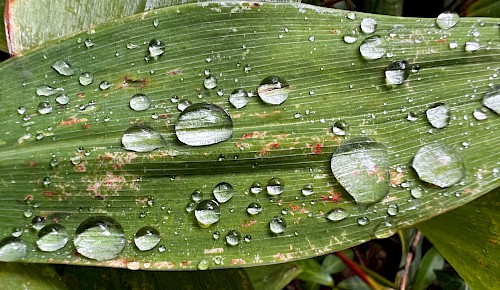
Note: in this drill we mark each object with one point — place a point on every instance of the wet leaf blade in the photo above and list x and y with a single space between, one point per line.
328 81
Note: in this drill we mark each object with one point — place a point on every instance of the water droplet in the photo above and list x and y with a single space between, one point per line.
491 99
340 128
203 124
86 78
21 110
372 48
239 98
146 238
307 189
142 139
384 230
210 82
223 192
89 42
438 115
99 238
156 22
196 195
361 166
368 25
438 164
416 192
207 213
12 249
140 102
62 99
254 208
337 214
256 188
247 239
190 206
52 238
392 209
28 212
183 104
479 114
351 36
275 186
277 225
233 237
104 85
453 45
162 249
273 90
47 91
44 108
447 20
397 72
362 221
38 222
216 235
471 46
203 265
17 232
156 48
63 68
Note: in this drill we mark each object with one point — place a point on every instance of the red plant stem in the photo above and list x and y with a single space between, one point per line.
357 270
408 260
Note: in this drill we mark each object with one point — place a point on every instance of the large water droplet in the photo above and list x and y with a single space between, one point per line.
491 99
361 166
99 238
44 108
210 82
142 139
146 238
207 213
52 238
156 47
438 115
254 208
140 102
233 237
223 192
86 78
277 225
275 186
337 214
256 188
63 68
372 48
384 230
12 249
438 164
273 90
47 91
447 20
397 72
203 124
368 25
239 98
38 222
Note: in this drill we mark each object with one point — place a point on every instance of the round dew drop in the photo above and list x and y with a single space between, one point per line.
277 225
63 68
12 249
363 221
337 214
397 72
275 186
207 213
62 99
210 82
52 238
254 208
142 139
223 192
273 90
203 124
438 115
491 99
392 209
139 102
368 25
447 20
372 48
239 98
340 128
183 104
156 48
233 237
86 78
307 190
146 238
472 46
351 36
44 108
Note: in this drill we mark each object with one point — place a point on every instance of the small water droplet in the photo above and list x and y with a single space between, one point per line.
142 139
12 249
368 25
491 99
63 68
233 237
203 124
438 115
203 265
89 42
471 46
372 48
207 213
210 82
275 186
361 166
28 212
156 22
273 90
362 221
416 192
216 235
182 105
190 206
104 85
438 164
99 238
340 128
156 48
52 238
397 72
223 192
351 36
196 195
62 99
256 188
44 108
239 98
140 102
254 208
17 232
337 214
453 45
47 91
392 209
247 239
21 110
307 190
162 249
277 225
479 114
86 78
384 230
146 238
447 20
38 222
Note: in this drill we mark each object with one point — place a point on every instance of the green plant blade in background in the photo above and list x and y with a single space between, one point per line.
468 237
67 165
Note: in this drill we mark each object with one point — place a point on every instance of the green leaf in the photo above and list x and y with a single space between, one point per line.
273 277
431 261
487 8
69 165
313 273
16 276
471 244
333 264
